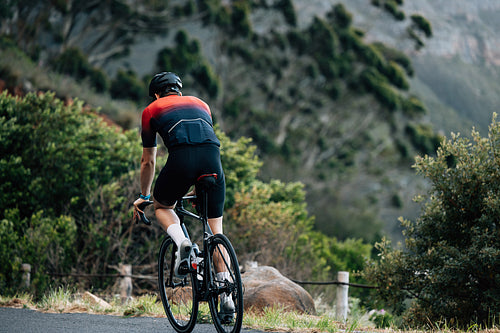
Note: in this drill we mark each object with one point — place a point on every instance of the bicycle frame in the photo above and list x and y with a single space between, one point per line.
203 288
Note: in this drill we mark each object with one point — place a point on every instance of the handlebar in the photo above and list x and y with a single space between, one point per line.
142 216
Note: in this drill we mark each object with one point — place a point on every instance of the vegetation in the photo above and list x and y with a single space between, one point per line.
187 59
74 63
67 177
63 300
290 76
52 157
76 176
450 265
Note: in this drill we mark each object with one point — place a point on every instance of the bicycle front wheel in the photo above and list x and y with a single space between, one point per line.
226 291
178 295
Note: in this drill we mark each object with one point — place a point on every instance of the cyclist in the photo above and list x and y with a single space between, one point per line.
185 125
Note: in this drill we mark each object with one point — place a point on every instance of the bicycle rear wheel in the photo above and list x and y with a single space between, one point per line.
178 295
222 258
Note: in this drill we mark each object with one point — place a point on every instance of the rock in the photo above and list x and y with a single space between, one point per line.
264 286
94 300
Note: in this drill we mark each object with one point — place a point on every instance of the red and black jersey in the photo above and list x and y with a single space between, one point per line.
180 120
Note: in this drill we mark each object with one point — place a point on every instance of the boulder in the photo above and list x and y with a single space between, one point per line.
94 300
265 286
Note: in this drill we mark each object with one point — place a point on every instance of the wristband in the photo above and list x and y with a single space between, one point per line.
145 197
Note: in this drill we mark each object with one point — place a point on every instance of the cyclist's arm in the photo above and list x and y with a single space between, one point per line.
148 162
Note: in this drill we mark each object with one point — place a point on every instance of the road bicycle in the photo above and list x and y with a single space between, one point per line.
181 295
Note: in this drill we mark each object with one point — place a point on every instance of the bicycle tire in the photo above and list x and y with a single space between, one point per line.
223 322
178 296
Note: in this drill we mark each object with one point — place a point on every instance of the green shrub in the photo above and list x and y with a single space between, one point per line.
378 85
391 7
127 85
99 80
396 75
280 223
52 155
187 60
391 54
423 138
322 46
298 41
340 17
450 267
412 106
422 24
74 63
240 19
286 7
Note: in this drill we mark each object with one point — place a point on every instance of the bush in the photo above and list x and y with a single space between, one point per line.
51 156
240 19
340 16
269 223
376 83
422 24
391 7
412 107
74 63
126 85
381 318
423 138
396 75
288 11
187 60
450 267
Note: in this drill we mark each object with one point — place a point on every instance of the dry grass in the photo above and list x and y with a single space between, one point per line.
275 319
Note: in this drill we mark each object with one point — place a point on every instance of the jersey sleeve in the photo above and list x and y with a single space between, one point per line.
148 133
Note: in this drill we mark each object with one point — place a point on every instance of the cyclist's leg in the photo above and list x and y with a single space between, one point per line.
216 226
172 183
165 215
221 260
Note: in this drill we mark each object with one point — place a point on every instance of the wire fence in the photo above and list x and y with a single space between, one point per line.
125 277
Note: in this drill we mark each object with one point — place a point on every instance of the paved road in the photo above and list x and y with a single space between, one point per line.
25 320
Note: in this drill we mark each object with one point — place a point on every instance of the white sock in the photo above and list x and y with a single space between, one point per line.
223 276
175 231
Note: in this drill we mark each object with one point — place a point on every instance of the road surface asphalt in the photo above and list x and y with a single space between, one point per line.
14 320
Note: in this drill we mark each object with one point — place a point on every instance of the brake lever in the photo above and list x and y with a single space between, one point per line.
143 216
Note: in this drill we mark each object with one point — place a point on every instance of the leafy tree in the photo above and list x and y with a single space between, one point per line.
288 11
451 264
422 24
101 29
269 223
52 155
73 62
187 60
126 85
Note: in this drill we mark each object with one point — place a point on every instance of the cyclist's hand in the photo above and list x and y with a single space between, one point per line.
137 209
139 206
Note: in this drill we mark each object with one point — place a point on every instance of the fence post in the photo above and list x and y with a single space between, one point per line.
342 296
26 278
126 282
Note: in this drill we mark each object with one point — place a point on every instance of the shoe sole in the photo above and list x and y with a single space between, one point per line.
184 261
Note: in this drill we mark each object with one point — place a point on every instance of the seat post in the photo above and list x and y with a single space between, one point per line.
203 183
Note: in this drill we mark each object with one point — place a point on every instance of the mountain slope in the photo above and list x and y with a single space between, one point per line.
457 72
324 105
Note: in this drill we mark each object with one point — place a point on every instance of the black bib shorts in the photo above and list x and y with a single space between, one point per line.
184 165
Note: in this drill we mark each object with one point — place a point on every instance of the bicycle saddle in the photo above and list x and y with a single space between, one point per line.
206 181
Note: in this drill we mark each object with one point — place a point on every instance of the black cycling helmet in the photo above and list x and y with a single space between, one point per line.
165 82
